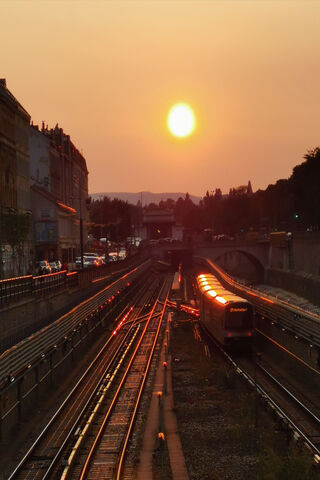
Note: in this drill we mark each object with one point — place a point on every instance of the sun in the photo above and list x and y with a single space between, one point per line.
181 120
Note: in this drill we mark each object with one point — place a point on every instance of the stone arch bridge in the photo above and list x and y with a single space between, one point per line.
241 259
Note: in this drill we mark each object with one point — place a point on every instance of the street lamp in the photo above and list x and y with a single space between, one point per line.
81 227
80 222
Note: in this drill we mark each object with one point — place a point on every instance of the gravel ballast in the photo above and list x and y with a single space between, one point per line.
225 431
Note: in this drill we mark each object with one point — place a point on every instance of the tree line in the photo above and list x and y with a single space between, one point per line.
289 204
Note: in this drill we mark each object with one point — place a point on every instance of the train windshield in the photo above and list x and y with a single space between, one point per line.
239 316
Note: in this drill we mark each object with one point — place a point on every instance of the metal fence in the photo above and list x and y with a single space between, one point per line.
20 356
14 289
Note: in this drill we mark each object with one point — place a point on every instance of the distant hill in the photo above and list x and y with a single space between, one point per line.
147 197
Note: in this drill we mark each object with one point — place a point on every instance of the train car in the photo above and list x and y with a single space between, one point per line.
228 317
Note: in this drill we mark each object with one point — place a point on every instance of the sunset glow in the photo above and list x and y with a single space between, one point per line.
181 121
111 84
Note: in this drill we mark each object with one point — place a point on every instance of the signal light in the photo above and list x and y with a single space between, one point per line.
249 334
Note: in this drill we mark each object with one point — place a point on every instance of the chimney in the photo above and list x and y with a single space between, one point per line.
3 82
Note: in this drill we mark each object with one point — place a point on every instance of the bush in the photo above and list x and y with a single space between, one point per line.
295 466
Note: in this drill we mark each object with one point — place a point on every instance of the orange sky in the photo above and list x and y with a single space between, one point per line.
108 72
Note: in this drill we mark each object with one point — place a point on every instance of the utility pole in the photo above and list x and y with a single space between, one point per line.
81 224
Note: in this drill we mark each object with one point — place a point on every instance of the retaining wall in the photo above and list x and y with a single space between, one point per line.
303 284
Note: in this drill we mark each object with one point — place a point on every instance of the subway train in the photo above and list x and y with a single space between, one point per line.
226 316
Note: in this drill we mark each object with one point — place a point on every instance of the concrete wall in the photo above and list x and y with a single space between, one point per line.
240 265
19 320
306 252
302 284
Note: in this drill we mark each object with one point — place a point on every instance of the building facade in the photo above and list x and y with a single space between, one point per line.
43 192
59 177
16 243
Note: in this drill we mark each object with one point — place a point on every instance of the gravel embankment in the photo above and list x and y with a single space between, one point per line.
225 431
289 297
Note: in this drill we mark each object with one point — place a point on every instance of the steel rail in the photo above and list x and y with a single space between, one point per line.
57 413
268 399
93 448
110 379
65 402
307 410
96 390
141 388
291 354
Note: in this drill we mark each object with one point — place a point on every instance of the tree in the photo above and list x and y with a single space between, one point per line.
112 218
14 231
304 182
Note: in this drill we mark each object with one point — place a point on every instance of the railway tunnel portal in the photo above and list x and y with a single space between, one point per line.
242 260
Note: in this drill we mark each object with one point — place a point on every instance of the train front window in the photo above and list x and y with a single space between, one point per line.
239 317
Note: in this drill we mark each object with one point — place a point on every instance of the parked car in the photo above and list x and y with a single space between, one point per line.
59 265
92 260
43 267
113 256
54 266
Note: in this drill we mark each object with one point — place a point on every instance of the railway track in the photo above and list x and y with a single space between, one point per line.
106 456
289 387
297 411
44 457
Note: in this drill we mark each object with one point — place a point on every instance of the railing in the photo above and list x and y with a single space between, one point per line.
14 289
47 283
35 347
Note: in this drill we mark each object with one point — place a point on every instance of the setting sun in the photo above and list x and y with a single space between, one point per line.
181 121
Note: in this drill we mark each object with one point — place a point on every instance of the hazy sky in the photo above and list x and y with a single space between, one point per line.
108 72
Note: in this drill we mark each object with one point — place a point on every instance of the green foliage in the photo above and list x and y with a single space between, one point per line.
113 218
295 466
14 228
305 187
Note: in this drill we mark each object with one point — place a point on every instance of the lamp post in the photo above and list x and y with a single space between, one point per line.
81 225
80 222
